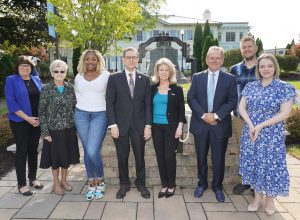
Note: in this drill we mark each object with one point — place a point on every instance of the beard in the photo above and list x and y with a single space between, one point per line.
250 58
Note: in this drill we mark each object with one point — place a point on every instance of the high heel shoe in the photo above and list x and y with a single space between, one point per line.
270 211
254 209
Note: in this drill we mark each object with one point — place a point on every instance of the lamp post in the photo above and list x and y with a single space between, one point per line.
182 33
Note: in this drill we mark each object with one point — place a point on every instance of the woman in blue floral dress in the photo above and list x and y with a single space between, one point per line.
264 106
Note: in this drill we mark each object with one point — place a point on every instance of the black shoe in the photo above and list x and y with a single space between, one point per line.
122 192
162 193
24 190
240 188
36 184
170 193
144 191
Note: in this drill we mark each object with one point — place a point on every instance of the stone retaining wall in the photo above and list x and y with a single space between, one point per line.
186 164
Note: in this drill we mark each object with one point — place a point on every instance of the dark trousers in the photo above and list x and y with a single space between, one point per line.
165 146
123 149
27 141
218 150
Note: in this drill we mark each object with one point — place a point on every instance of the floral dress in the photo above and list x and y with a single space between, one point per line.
263 162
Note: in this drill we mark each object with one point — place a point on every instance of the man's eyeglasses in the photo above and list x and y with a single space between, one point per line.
61 72
131 58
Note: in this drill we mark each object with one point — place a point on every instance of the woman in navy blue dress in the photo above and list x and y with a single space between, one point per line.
264 106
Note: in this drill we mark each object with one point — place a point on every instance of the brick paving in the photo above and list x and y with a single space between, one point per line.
43 204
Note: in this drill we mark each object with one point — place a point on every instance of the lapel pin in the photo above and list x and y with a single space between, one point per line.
140 77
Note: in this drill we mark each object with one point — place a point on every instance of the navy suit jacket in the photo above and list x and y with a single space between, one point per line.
16 95
225 101
125 111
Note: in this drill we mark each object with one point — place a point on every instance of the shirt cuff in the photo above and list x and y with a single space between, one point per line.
114 125
147 126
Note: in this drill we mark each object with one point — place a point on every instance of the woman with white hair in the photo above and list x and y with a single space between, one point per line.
56 113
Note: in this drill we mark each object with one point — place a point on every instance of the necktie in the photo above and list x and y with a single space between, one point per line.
131 84
211 92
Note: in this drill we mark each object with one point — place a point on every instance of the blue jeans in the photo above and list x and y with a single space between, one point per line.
91 128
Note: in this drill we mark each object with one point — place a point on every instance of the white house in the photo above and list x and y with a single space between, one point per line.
228 34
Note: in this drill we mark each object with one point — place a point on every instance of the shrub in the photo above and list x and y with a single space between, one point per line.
293 123
288 62
232 57
43 70
7 67
6 136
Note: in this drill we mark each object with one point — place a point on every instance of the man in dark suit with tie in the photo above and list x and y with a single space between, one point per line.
128 107
211 97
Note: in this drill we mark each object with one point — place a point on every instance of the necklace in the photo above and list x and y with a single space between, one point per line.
27 82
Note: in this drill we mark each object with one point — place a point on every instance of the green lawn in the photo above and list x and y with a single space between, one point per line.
294 150
295 83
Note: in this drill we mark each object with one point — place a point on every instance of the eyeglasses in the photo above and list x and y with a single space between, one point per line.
24 66
61 72
131 58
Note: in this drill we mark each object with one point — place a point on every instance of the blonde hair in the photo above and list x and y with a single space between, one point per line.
167 62
81 68
247 38
58 63
274 61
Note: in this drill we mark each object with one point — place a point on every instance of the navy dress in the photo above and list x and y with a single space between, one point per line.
263 162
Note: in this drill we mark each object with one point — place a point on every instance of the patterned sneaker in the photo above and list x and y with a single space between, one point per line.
91 193
100 189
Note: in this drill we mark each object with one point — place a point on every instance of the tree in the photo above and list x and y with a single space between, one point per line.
206 31
76 56
99 24
232 57
23 23
209 41
289 46
197 46
260 47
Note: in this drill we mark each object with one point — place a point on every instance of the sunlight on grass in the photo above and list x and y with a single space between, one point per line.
295 83
294 150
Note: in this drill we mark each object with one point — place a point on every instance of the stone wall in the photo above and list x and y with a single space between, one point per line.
186 164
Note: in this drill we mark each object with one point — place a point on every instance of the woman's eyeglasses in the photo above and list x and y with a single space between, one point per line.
61 72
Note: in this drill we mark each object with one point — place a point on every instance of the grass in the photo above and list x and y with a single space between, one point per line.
294 150
295 83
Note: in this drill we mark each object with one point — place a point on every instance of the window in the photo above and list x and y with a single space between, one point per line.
139 36
241 35
155 33
219 36
188 35
174 33
230 36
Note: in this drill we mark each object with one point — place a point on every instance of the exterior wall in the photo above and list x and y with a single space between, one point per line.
186 164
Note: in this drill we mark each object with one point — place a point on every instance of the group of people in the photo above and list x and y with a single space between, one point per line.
136 108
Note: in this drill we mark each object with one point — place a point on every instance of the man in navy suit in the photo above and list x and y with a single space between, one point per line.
211 97
128 109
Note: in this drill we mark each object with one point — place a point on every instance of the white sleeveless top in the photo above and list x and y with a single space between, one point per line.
90 95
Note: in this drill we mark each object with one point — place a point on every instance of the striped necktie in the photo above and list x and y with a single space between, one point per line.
131 84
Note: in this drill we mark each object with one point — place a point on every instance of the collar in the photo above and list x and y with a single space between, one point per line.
216 72
133 73
244 64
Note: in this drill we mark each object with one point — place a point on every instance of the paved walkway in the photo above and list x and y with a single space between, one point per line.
44 204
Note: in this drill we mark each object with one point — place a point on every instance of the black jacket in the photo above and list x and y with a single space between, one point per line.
175 108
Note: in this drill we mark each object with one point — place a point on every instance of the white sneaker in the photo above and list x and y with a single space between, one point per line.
100 189
91 193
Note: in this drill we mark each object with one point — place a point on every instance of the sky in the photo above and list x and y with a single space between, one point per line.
275 22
